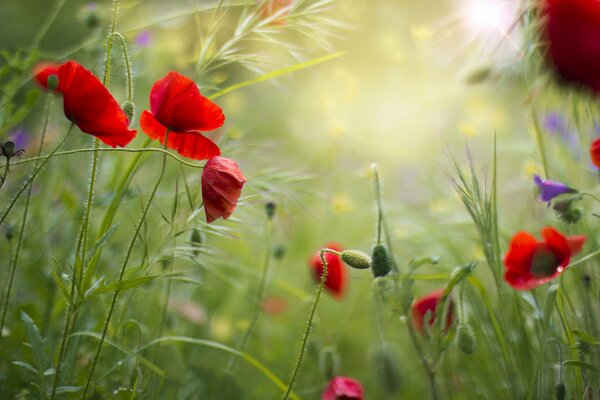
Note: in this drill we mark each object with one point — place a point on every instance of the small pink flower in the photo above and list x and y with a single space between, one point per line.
343 388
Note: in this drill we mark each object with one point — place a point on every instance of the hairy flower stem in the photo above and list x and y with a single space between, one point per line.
124 267
429 369
13 265
290 385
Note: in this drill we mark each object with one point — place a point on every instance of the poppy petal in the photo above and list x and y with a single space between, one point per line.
575 243
520 252
42 72
557 243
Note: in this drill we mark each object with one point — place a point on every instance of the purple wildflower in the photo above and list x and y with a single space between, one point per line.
558 125
20 138
548 189
143 39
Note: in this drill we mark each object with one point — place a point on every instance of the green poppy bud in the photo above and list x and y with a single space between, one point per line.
8 149
270 209
129 109
52 82
560 391
381 261
279 251
465 338
329 362
356 259
196 239
387 368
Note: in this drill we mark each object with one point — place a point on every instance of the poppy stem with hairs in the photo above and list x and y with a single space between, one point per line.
15 259
309 323
124 267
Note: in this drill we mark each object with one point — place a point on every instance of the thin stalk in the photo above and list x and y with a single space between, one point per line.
377 188
309 324
540 142
15 259
429 370
571 338
124 267
5 173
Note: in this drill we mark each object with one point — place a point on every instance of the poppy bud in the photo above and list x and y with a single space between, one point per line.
381 261
356 259
196 239
387 368
270 209
560 391
279 251
222 183
52 82
329 362
128 109
91 17
8 149
465 338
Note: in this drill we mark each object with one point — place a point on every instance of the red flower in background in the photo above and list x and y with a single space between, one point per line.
530 263
273 7
222 183
88 103
177 105
336 279
343 388
595 152
573 34
426 303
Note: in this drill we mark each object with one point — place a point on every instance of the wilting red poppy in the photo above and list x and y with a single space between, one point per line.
177 105
429 303
572 32
343 388
530 263
336 279
273 7
88 103
222 183
595 152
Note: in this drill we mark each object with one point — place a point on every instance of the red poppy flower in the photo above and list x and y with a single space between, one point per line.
222 183
177 105
336 279
595 152
530 263
88 103
272 7
429 303
343 388
573 34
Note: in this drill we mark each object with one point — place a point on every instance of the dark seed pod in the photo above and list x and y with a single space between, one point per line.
387 369
381 261
356 259
270 209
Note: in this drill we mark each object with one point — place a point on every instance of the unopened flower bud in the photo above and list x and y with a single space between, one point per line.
356 259
279 251
196 239
329 362
270 209
128 109
52 82
567 211
465 338
387 368
91 17
381 261
8 149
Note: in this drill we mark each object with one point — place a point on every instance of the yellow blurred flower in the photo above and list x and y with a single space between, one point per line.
342 203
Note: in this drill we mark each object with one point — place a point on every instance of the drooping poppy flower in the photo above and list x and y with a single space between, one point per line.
343 388
336 280
428 303
530 263
572 32
177 105
548 189
87 102
595 152
222 183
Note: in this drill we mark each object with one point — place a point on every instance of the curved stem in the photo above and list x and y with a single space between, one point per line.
127 64
36 171
124 267
110 149
13 266
309 324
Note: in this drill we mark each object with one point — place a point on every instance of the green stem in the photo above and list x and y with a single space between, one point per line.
5 174
571 339
124 267
15 259
110 149
309 324
429 370
540 142
127 63
36 171
377 186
